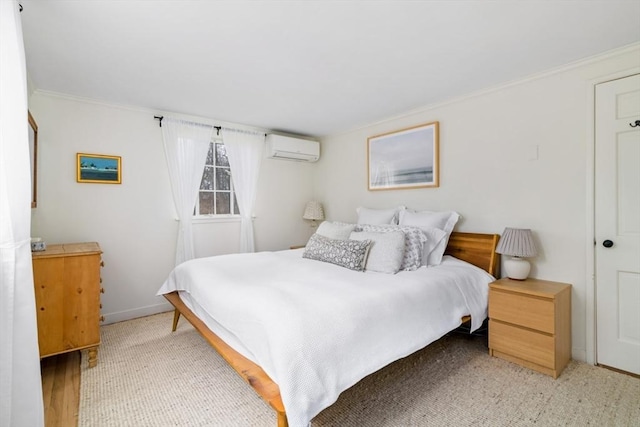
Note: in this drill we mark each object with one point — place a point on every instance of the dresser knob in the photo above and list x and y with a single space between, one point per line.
101 263
102 290
102 318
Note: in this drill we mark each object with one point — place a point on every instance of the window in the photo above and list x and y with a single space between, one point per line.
216 196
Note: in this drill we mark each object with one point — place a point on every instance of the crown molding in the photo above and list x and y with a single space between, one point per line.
621 51
151 112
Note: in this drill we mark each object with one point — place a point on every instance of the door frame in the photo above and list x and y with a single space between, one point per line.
590 244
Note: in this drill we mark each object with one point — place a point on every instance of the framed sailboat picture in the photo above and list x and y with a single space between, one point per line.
98 168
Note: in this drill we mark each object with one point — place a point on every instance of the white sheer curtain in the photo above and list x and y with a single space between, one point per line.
244 150
20 383
185 145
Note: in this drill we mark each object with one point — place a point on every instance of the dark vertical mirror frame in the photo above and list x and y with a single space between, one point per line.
33 154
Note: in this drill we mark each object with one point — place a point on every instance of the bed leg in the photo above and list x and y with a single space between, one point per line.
176 317
282 419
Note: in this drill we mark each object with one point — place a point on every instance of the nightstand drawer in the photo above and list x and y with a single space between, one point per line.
522 310
522 343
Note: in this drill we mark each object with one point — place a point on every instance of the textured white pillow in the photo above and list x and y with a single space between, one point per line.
414 240
335 230
386 251
378 216
426 220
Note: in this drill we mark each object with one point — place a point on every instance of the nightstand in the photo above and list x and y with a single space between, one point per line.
530 323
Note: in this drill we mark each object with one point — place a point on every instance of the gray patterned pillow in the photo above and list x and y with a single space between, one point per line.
351 254
414 240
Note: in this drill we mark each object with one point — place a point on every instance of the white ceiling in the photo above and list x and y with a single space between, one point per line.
307 67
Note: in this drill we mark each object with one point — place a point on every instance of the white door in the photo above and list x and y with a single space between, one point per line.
617 186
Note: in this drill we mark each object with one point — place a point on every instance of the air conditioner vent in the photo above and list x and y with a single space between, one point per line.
290 148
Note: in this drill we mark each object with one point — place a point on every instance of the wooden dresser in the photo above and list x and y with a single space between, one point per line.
530 323
67 288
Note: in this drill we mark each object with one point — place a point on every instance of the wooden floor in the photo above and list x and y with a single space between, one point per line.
61 389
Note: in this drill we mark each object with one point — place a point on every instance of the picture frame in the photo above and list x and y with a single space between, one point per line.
98 168
404 159
33 157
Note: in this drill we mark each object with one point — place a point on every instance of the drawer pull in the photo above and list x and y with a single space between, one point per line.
102 318
101 263
102 290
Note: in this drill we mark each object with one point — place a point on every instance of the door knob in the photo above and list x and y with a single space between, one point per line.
607 243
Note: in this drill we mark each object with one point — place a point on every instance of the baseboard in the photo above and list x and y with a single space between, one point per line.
136 312
579 354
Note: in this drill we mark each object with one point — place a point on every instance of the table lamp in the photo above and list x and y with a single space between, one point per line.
313 211
517 243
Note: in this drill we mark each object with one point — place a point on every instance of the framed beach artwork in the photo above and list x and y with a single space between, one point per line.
407 158
99 169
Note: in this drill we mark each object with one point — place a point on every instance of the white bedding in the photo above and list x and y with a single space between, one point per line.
317 328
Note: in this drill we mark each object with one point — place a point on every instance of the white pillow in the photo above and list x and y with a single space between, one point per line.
414 240
434 237
378 216
335 230
386 251
427 221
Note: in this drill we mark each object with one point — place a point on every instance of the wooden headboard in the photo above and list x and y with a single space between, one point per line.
477 249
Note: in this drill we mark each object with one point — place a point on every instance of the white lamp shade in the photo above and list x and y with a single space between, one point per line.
313 211
517 242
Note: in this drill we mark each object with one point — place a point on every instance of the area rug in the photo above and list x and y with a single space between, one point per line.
148 376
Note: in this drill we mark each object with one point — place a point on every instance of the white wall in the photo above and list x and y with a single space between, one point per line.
487 174
134 222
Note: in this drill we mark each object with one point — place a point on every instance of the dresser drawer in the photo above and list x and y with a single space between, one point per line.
525 344
522 310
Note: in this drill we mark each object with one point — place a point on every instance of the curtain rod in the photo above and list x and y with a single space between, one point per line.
217 128
159 118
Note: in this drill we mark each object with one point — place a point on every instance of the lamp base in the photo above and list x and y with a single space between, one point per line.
517 268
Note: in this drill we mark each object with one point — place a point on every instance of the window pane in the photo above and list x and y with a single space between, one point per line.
223 203
236 209
206 203
223 179
207 179
221 155
210 155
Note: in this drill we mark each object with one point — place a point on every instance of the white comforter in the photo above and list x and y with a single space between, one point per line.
316 328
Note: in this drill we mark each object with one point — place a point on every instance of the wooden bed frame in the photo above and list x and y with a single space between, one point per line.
474 248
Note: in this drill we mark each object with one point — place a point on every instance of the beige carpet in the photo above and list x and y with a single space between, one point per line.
148 376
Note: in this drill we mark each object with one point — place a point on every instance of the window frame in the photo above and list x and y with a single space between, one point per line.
216 217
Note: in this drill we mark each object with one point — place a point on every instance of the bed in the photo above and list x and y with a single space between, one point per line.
256 343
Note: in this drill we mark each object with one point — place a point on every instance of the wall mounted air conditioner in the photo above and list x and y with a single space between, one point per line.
290 148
